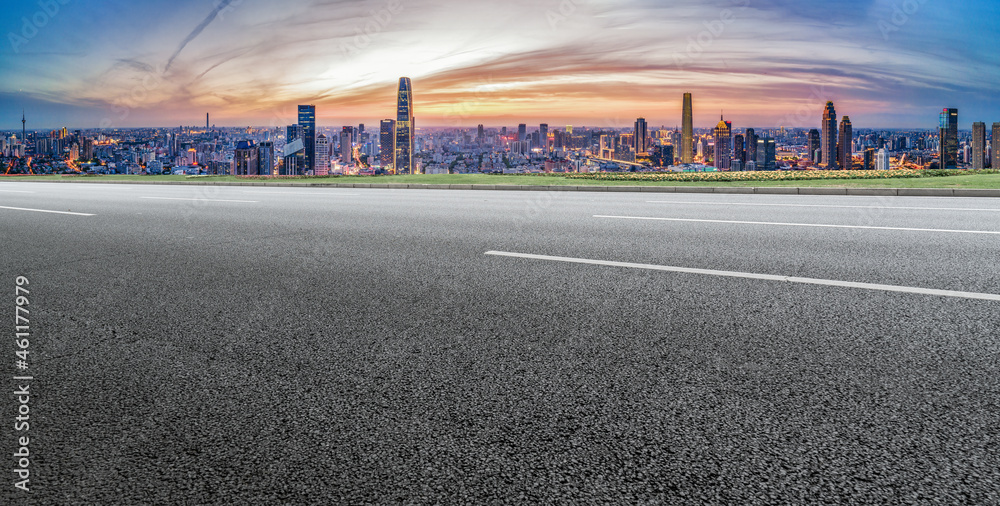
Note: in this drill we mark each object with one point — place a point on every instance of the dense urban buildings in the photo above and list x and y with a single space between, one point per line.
350 150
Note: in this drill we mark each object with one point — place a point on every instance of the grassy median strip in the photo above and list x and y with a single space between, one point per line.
987 179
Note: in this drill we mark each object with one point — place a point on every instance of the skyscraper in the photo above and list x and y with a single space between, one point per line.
480 134
404 127
347 146
641 133
687 124
245 159
765 154
307 131
829 138
543 137
206 121
739 149
265 158
949 139
322 155
295 153
995 147
882 160
814 146
387 144
522 132
723 148
752 146
979 145
845 148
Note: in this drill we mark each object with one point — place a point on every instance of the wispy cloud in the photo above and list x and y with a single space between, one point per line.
565 59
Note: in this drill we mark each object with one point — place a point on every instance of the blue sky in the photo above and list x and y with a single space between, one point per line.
766 63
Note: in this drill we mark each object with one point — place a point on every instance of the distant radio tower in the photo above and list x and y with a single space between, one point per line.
24 136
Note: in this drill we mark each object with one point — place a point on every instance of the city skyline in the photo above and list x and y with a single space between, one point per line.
583 62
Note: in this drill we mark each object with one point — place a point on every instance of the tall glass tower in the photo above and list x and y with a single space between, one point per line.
687 135
949 139
404 127
829 140
307 129
845 148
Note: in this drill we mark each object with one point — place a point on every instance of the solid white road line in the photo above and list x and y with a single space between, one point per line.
200 200
15 191
46 211
265 192
720 203
819 225
749 275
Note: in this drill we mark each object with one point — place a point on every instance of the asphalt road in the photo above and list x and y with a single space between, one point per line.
337 346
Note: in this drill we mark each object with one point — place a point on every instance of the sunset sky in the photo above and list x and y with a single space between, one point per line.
766 63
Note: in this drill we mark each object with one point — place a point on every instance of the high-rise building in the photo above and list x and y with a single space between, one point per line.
949 139
845 145
265 158
814 146
687 124
739 149
307 132
882 160
995 147
641 134
869 163
751 141
765 154
322 155
404 127
543 137
206 121
295 153
387 144
480 134
979 145
294 159
245 161
522 132
829 138
347 146
723 140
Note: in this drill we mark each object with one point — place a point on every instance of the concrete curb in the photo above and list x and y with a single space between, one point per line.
746 190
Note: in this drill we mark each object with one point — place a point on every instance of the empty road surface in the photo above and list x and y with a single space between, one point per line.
233 345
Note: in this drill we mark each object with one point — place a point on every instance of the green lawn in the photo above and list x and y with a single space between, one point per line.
981 181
